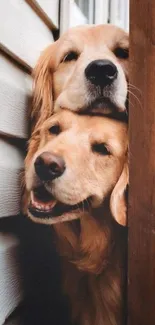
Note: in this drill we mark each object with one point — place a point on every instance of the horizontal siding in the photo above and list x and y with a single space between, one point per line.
10 281
23 34
15 91
49 11
11 167
25 31
51 8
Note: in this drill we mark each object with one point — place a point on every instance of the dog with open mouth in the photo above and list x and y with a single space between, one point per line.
86 69
76 173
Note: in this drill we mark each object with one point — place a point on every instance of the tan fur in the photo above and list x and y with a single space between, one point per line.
92 247
59 84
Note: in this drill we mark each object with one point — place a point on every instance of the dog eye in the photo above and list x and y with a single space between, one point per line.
70 56
55 129
101 149
121 53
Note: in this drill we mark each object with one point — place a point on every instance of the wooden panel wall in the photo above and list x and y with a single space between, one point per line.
141 274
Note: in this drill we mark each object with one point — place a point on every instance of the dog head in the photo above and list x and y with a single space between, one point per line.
73 164
86 69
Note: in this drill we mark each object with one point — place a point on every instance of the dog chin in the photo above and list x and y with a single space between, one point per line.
103 106
70 216
97 105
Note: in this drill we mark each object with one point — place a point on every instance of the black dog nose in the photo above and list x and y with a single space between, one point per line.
101 72
49 166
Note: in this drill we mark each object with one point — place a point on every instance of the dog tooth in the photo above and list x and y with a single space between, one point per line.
52 204
46 207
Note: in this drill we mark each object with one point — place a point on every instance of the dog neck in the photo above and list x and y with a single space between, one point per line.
92 249
90 242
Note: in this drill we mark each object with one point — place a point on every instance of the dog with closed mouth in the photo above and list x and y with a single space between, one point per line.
86 69
76 173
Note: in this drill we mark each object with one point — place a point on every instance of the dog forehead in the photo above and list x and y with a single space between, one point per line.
98 126
104 126
91 34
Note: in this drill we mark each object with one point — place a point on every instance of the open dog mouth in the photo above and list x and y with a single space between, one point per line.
44 205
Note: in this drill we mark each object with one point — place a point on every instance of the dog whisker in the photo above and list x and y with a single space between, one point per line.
139 102
134 87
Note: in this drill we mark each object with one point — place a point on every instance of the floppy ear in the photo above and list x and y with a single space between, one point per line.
118 204
42 100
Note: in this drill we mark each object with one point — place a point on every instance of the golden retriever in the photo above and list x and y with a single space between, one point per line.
76 174
84 69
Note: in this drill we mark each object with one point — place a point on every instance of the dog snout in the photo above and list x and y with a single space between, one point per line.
49 166
101 72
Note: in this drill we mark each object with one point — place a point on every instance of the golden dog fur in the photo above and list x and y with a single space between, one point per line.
92 247
59 78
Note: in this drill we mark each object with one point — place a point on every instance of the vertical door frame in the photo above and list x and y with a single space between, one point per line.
141 206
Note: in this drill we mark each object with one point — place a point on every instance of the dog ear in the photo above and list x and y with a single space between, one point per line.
42 97
118 204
